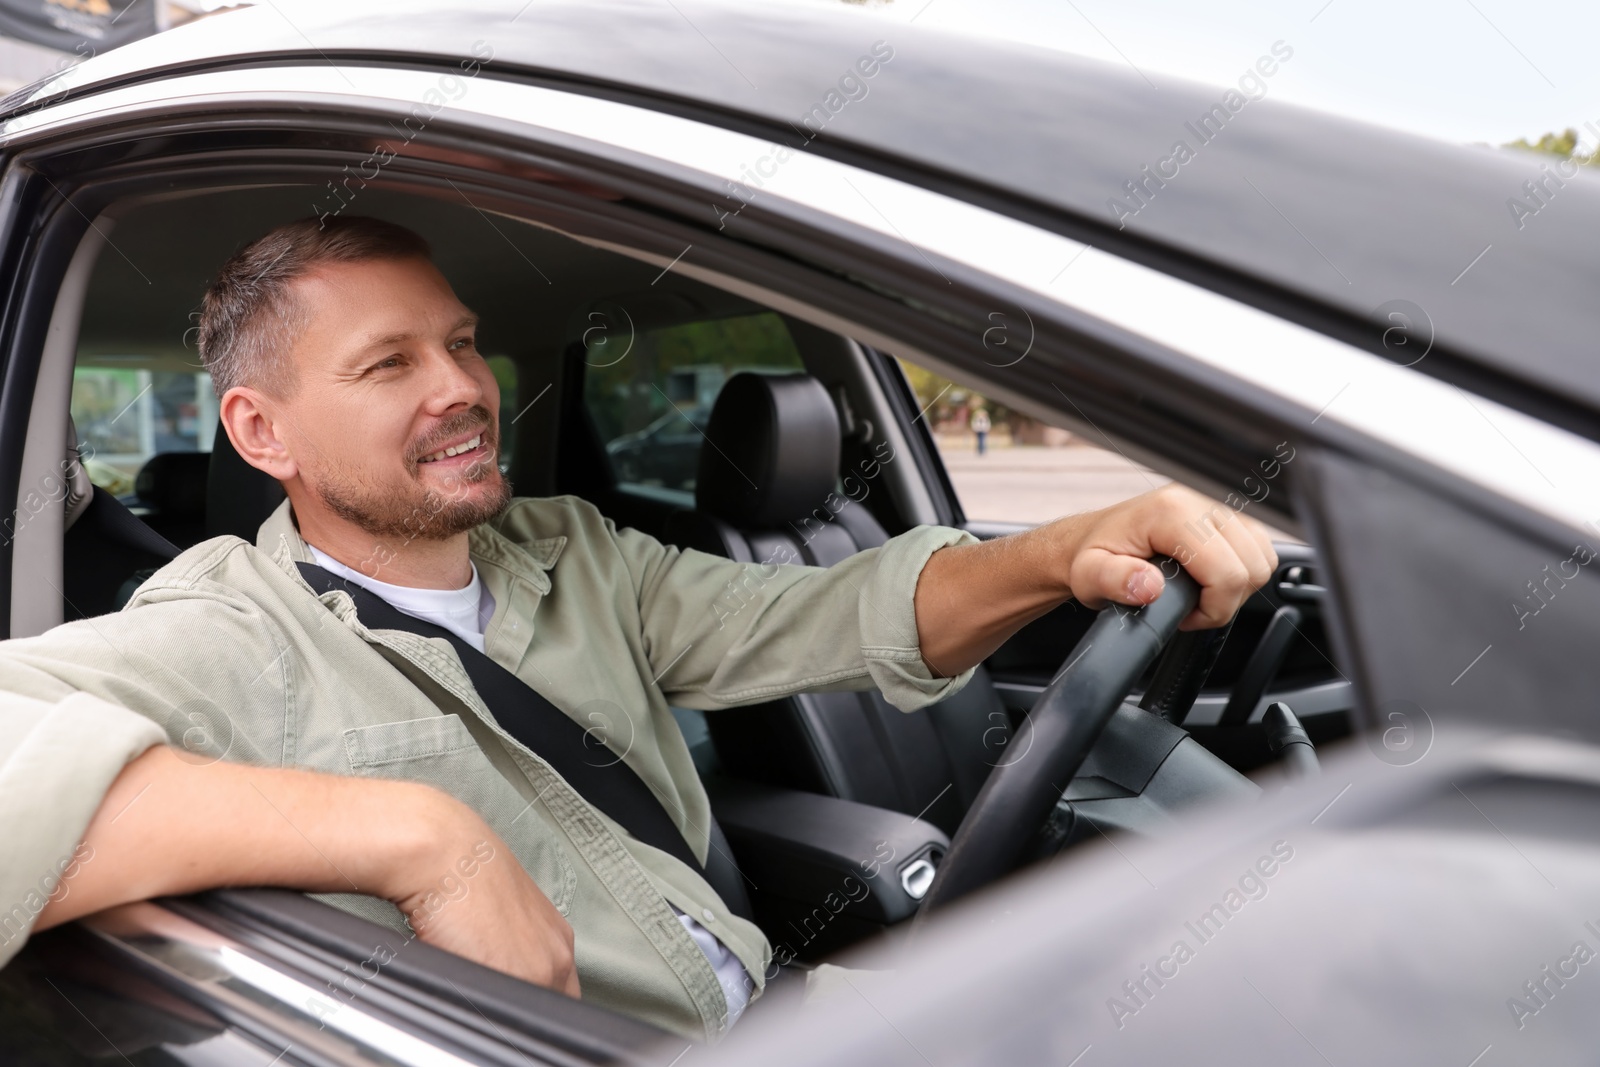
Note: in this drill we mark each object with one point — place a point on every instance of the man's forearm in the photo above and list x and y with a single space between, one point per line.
167 826
971 598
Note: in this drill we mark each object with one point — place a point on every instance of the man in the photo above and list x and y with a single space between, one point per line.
346 369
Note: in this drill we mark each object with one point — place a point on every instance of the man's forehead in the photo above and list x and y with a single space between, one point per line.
357 308
399 281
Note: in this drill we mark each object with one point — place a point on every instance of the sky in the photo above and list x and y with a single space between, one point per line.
1459 70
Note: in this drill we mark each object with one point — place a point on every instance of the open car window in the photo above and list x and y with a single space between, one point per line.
128 409
1009 467
651 400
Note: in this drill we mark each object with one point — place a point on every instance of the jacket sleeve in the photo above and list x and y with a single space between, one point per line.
57 759
232 701
721 634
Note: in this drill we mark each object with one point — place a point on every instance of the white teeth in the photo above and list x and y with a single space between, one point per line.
456 450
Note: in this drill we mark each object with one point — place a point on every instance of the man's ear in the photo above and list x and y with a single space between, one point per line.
250 421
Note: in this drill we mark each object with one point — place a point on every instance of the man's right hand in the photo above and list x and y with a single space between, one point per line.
168 827
473 898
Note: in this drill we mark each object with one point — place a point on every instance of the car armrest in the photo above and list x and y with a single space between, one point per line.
871 864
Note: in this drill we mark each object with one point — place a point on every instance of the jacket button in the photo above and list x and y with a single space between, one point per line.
710 915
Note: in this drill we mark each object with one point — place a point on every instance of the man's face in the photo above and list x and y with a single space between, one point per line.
387 379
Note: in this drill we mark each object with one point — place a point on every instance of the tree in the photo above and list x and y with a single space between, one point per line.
1563 146
944 400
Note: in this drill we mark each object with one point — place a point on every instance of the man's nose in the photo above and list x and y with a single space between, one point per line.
450 385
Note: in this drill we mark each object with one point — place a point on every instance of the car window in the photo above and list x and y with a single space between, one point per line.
651 400
1024 471
127 410
505 374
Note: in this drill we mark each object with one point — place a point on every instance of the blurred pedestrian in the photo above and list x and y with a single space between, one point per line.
980 426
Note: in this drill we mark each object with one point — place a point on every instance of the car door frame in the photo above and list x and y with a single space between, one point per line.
794 254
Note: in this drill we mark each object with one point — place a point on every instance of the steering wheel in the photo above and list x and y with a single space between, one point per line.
1056 737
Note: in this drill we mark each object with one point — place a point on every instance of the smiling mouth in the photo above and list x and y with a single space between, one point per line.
475 444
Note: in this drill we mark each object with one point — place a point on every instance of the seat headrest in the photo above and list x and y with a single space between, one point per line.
239 497
174 483
772 452
80 490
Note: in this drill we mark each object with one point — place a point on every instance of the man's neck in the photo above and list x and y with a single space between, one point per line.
419 563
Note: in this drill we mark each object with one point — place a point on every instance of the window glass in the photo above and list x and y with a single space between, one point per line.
505 374
651 401
125 413
1023 471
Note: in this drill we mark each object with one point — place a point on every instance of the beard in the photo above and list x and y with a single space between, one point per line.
412 511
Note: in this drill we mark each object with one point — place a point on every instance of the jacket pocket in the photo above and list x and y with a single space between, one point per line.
394 742
440 751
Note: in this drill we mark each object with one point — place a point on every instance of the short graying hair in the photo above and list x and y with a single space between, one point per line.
249 318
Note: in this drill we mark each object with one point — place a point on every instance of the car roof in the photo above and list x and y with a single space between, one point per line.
1410 247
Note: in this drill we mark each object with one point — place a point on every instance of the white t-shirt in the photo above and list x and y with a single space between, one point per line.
466 612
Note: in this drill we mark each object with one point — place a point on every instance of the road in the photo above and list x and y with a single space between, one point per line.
1031 483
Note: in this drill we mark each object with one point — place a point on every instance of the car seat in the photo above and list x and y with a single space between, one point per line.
106 550
784 431
172 486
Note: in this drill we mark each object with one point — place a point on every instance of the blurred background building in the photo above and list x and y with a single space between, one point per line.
41 37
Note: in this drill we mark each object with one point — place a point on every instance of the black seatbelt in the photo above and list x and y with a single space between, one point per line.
608 783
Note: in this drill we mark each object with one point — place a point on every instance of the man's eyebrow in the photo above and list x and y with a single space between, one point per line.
469 319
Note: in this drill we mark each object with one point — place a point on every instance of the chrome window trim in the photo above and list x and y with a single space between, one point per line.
225 974
1503 451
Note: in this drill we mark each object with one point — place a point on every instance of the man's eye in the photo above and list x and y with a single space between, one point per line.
392 361
464 342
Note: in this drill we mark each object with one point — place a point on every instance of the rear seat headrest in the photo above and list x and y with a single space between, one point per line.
80 490
239 497
174 483
772 453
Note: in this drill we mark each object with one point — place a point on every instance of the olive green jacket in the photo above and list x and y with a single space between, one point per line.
232 654
57 759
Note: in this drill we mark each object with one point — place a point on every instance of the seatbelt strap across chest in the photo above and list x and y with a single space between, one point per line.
598 774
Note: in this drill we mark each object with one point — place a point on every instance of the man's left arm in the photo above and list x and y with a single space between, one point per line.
910 618
971 598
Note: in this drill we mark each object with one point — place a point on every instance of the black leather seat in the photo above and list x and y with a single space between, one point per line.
763 487
172 487
106 550
239 497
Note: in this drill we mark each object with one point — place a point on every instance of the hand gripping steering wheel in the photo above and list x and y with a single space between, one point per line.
1057 735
